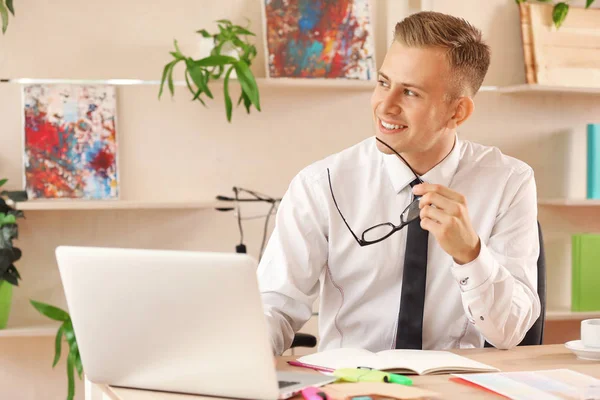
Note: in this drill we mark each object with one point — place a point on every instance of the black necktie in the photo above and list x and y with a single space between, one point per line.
412 300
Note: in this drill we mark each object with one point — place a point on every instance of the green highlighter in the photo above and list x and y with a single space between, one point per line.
370 375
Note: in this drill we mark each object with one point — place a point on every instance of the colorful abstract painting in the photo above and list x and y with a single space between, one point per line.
70 141
319 39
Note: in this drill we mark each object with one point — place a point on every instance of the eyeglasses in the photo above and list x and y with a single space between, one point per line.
380 232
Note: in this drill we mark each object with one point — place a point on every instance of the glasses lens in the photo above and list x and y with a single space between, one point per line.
411 212
377 232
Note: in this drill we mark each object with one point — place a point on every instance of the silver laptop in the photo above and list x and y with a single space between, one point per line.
175 321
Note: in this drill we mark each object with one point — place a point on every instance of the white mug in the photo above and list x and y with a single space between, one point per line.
590 333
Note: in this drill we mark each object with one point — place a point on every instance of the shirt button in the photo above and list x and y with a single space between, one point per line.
464 281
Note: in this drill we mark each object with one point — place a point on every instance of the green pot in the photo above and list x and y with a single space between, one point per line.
5 299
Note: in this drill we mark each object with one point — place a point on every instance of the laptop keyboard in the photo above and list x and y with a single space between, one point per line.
283 384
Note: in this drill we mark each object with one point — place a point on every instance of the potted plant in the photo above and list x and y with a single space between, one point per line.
5 7
560 9
231 39
66 330
9 275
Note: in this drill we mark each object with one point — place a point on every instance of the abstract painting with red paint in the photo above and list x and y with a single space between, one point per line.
319 39
70 142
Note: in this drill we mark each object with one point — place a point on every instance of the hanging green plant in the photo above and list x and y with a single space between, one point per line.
199 73
66 330
560 9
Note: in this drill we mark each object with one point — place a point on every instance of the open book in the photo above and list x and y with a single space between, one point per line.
421 362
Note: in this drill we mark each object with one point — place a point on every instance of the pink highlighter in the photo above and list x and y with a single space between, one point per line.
313 393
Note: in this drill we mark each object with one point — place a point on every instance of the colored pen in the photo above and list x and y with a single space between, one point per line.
313 393
310 366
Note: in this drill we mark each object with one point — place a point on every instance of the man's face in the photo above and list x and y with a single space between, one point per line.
411 110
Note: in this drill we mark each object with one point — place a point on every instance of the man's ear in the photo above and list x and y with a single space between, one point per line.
462 111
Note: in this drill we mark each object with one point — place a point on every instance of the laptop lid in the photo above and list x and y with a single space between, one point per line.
177 321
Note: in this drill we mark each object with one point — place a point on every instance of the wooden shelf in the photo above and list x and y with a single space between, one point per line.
311 83
29 331
566 314
59 204
569 202
533 88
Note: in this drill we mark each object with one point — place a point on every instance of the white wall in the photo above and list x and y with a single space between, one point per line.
174 149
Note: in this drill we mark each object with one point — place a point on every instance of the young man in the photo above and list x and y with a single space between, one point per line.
462 271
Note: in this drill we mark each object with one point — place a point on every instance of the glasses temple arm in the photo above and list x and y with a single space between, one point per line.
340 212
402 158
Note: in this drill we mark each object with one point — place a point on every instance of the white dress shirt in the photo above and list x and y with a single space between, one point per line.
311 253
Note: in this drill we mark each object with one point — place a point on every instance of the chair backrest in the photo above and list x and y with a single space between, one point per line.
535 334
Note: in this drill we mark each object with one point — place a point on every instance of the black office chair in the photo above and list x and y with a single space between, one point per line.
534 336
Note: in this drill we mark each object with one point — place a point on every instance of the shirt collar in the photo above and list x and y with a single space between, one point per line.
401 175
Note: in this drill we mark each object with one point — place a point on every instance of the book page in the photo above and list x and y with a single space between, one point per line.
533 385
429 362
342 358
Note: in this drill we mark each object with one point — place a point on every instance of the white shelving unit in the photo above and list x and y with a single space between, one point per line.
49 205
566 314
533 88
310 83
30 331
569 202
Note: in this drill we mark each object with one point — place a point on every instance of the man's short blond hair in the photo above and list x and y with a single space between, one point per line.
468 55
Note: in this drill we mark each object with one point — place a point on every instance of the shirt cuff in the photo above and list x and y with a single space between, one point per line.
476 273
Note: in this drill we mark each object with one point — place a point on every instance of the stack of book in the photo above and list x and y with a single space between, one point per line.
593 161
585 290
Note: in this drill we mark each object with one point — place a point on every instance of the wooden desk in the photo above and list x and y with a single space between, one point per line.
526 358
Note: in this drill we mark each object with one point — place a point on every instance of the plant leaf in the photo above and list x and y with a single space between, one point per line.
4 13
242 31
7 219
15 254
5 261
3 181
4 208
228 104
177 50
73 347
588 3
57 346
248 83
8 232
197 93
215 61
15 195
199 79
17 213
164 76
520 1
50 311
170 80
204 33
78 364
247 102
71 376
11 8
559 13
224 21
13 270
11 275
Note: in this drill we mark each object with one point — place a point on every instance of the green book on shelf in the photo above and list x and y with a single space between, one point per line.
585 285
